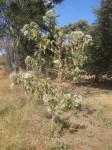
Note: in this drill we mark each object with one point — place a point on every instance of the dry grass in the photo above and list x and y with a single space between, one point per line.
3 59
23 125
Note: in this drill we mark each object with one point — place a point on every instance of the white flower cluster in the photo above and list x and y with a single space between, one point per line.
26 75
49 109
88 36
47 2
77 33
50 18
18 78
50 13
77 70
25 33
58 104
75 99
33 25
13 76
25 29
88 39
31 30
56 61
28 58
78 99
68 96
46 98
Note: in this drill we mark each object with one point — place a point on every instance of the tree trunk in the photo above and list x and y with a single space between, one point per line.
96 79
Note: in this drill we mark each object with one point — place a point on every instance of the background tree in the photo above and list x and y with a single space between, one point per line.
81 25
105 28
99 60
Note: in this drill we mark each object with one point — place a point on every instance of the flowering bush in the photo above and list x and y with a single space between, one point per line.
54 100
77 44
68 50
49 18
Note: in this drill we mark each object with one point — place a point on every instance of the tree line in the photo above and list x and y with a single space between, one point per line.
94 59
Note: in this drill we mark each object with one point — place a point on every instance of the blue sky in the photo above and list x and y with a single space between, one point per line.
71 11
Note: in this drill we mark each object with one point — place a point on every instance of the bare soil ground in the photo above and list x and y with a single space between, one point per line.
23 125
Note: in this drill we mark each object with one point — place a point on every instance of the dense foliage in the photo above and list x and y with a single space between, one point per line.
81 25
67 51
13 15
100 55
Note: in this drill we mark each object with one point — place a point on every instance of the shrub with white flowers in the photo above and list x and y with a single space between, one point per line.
50 19
77 44
55 101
